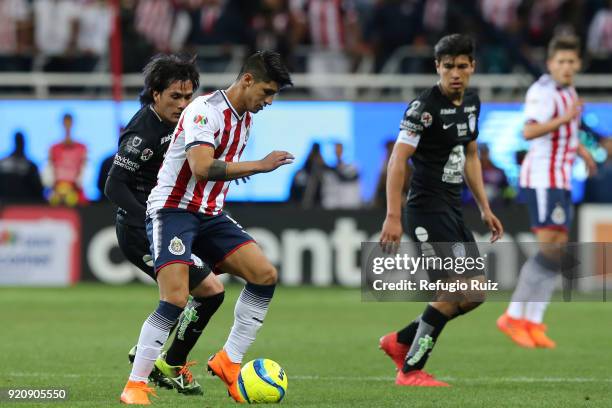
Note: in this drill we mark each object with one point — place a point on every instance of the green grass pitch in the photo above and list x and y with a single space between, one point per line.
326 339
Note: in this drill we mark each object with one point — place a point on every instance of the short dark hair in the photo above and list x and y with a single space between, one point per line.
67 115
565 42
267 66
164 69
454 45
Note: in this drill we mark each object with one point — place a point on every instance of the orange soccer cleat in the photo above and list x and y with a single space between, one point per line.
537 331
394 349
418 378
219 364
136 393
516 329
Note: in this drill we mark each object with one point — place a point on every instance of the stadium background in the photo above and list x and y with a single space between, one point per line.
356 64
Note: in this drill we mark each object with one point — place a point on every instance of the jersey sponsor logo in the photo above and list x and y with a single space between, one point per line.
125 163
469 109
200 120
462 129
166 139
411 126
426 119
453 169
448 111
146 154
176 246
136 141
558 215
472 122
447 125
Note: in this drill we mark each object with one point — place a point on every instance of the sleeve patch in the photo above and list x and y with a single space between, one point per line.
200 120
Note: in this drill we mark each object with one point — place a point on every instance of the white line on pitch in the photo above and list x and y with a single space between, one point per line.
482 380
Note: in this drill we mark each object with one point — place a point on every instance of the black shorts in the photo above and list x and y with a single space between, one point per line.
443 235
134 244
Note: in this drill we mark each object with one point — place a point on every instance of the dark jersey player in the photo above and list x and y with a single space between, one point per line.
170 82
438 132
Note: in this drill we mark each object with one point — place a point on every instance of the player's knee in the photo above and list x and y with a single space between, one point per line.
209 286
215 287
178 298
266 275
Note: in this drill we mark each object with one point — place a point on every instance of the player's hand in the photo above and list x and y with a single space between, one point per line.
274 160
574 111
494 225
391 234
591 165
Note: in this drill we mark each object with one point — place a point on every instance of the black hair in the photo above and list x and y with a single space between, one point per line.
454 45
67 116
565 42
164 69
267 66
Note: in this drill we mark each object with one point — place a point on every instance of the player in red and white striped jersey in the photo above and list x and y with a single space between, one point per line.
552 111
185 212
551 154
209 121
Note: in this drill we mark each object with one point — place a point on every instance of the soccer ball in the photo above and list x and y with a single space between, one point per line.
262 381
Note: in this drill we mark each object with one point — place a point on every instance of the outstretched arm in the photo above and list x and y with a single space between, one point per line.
205 167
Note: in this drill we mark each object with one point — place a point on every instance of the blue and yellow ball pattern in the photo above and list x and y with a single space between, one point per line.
262 381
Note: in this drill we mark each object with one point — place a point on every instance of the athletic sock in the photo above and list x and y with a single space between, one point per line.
153 335
522 292
546 279
406 335
249 315
431 325
536 285
192 322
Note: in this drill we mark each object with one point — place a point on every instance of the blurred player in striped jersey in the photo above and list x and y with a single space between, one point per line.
552 113
185 216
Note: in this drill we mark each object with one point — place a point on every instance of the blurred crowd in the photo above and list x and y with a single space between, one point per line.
333 184
314 35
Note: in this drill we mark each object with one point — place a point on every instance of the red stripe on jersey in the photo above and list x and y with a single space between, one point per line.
196 201
214 192
179 128
232 151
180 186
227 115
323 19
555 146
198 192
235 142
247 123
568 132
